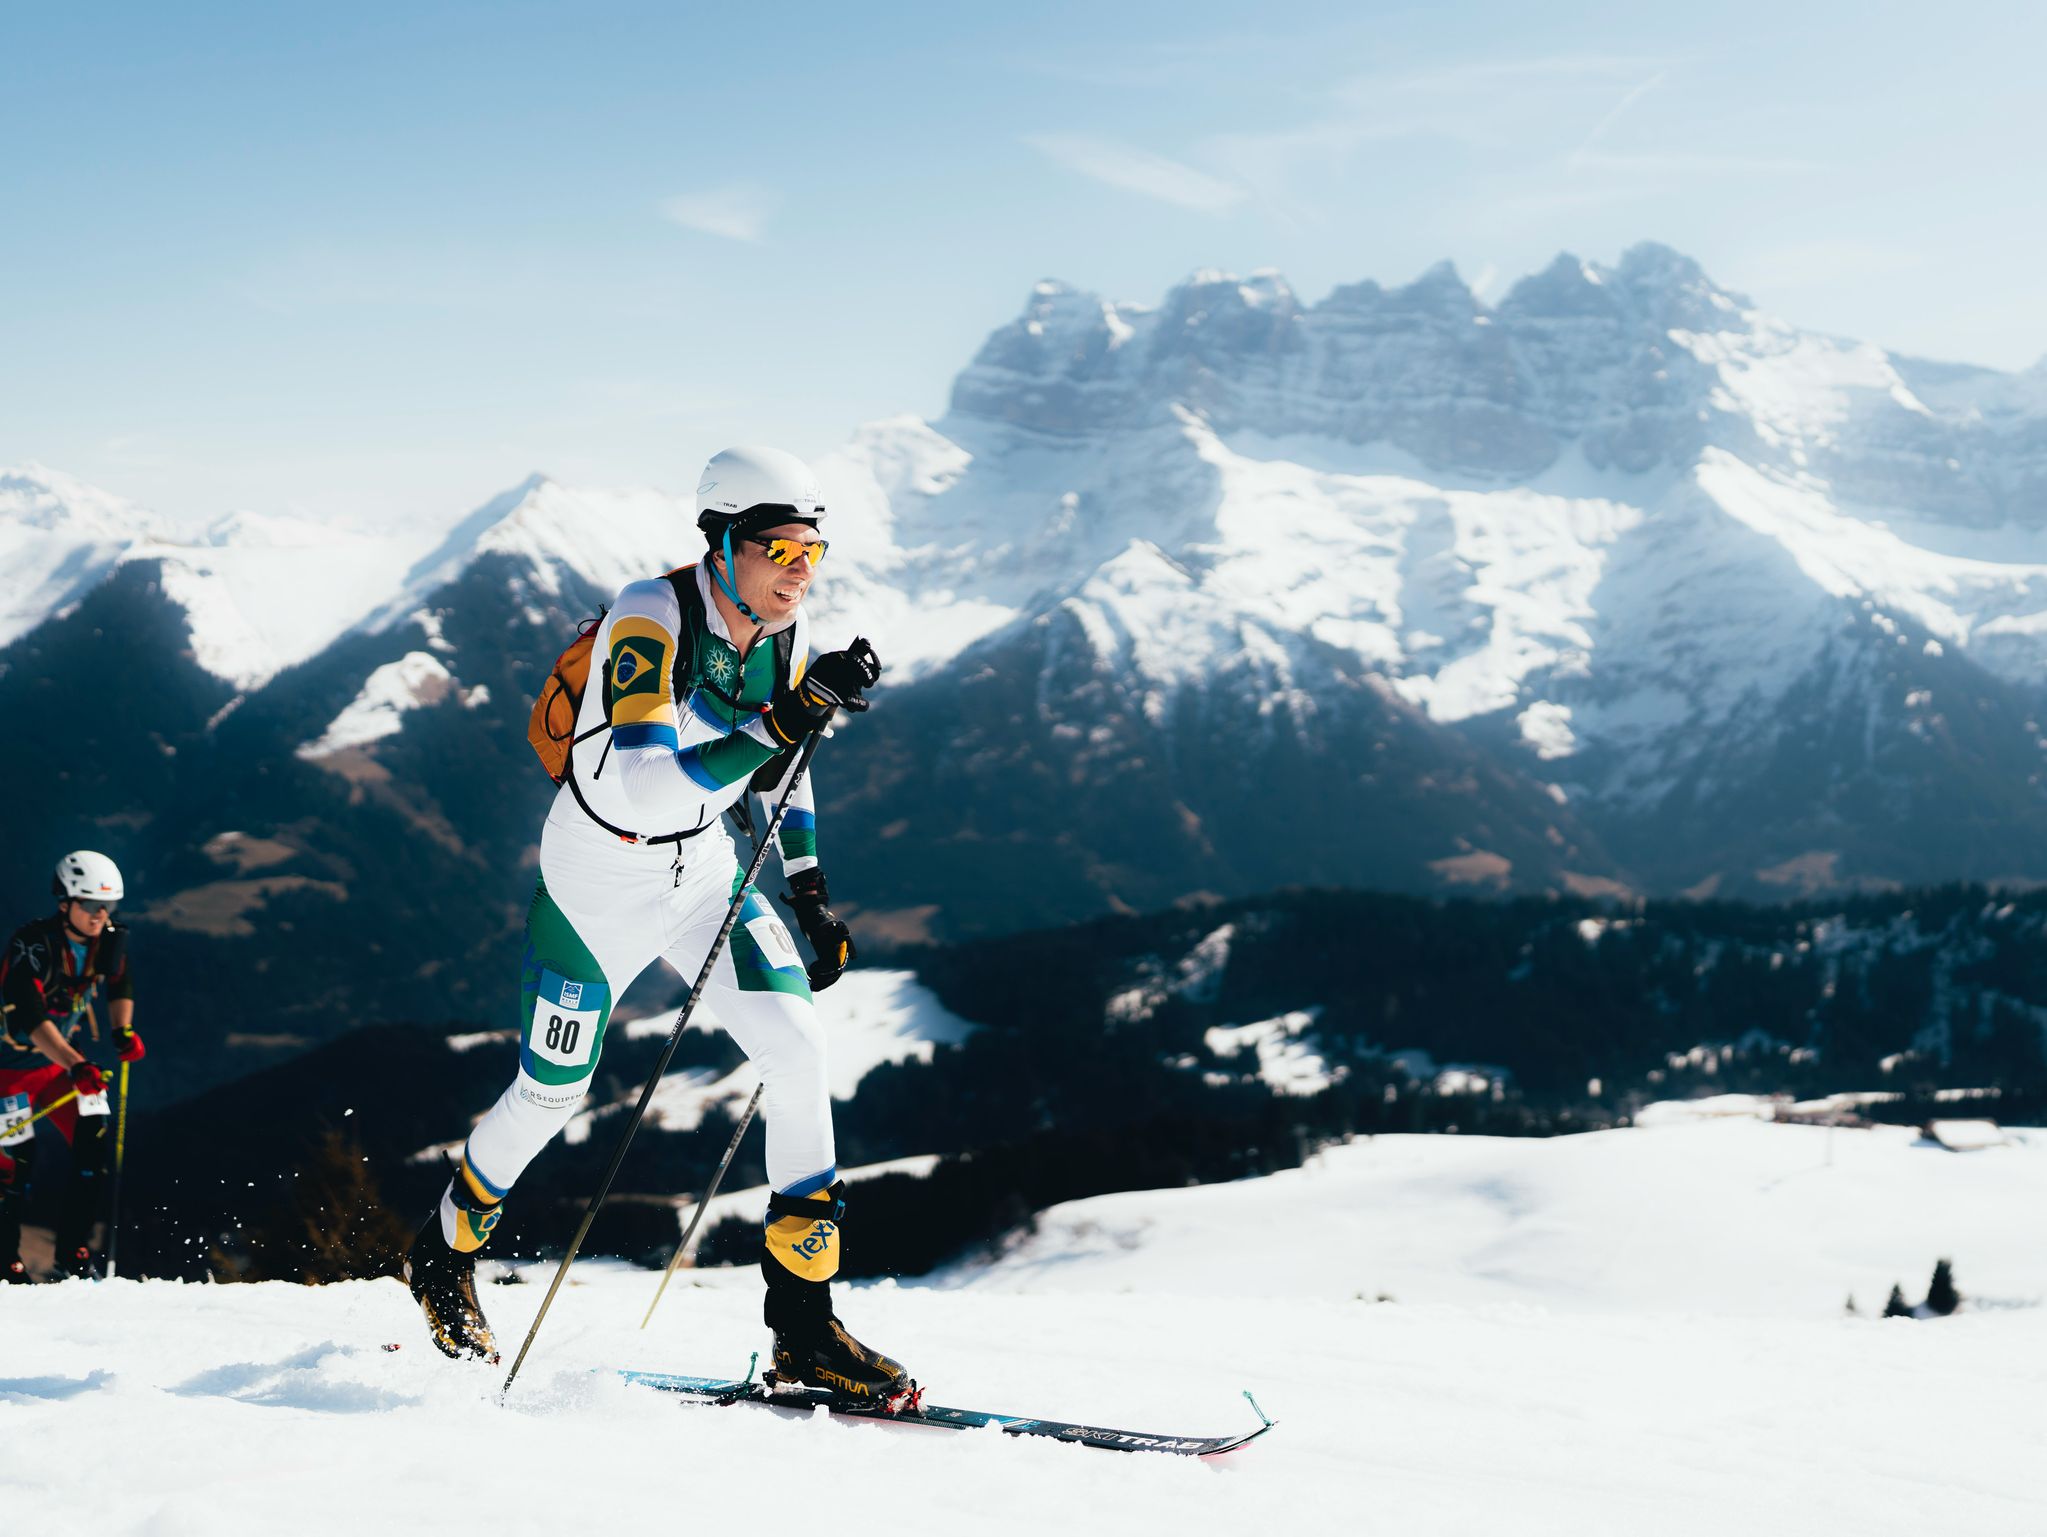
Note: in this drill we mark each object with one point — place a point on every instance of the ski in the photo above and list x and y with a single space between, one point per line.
804 1400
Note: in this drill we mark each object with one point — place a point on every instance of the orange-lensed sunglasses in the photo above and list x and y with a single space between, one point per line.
783 552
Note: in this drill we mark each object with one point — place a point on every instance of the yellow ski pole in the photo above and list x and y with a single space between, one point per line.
50 1109
114 1197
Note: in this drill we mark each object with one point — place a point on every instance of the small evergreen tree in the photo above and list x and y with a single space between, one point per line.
334 1226
1852 1310
1896 1308
1941 1296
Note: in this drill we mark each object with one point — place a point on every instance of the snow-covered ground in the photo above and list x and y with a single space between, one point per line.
1691 1371
1734 1217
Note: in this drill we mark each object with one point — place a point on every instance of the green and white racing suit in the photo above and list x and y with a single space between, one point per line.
685 738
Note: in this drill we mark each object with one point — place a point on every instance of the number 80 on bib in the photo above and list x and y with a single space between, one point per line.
563 1031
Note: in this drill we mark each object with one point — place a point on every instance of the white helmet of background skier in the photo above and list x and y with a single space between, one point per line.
744 490
87 877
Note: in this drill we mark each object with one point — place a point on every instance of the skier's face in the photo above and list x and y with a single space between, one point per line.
774 592
85 919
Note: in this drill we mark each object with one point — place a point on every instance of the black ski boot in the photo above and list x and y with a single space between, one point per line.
833 1360
812 1348
443 1283
79 1266
17 1274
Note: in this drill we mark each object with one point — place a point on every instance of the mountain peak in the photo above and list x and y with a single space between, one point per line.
1265 288
59 537
1650 261
1442 274
1440 293
1567 287
33 495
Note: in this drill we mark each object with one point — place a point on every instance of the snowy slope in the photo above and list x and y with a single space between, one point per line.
415 681
1426 1415
59 537
608 538
1728 1217
262 593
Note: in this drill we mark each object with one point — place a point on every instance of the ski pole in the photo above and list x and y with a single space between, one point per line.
50 1109
704 1205
114 1196
753 870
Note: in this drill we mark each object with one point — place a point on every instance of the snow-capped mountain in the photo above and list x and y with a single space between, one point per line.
1619 584
1645 542
59 537
260 592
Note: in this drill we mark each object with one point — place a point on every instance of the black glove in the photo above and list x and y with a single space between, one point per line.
837 680
830 939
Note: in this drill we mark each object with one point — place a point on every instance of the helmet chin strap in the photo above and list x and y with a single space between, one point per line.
724 579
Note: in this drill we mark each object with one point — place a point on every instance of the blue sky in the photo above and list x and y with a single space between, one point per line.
380 261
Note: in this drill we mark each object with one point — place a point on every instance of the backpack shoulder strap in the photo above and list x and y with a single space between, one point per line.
785 654
690 603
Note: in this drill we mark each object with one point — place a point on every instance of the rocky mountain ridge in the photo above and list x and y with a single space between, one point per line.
1616 587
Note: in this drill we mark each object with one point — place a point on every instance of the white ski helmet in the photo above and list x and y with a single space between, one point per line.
87 876
743 489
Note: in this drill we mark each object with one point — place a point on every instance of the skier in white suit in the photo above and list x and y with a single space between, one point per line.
703 692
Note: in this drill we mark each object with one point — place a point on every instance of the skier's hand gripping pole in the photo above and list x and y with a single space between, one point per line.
739 897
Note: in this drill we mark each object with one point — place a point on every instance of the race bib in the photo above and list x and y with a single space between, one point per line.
774 941
14 1127
563 1031
93 1104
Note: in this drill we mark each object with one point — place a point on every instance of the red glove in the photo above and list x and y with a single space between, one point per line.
88 1079
128 1046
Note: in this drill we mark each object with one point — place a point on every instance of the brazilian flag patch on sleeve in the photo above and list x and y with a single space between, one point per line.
641 652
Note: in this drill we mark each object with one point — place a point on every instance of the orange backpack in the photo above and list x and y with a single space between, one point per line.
551 728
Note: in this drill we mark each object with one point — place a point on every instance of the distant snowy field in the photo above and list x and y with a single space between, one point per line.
1635 1331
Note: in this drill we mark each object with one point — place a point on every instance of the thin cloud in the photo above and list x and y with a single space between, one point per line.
1634 94
1136 170
1488 76
733 213
1494 107
1654 165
